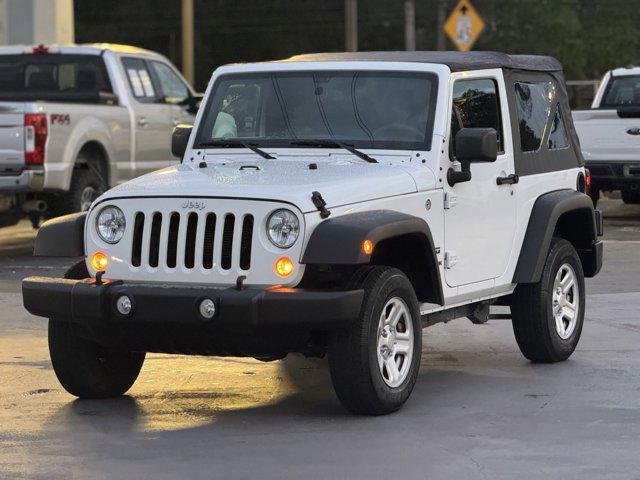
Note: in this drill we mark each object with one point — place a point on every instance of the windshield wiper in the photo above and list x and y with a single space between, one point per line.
334 144
230 143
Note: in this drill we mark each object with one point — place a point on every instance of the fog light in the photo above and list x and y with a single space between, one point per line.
99 261
123 305
284 266
207 308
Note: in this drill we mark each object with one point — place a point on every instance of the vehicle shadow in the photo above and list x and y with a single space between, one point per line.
470 391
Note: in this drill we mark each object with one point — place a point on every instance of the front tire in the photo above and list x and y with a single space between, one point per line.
84 368
88 370
374 363
548 315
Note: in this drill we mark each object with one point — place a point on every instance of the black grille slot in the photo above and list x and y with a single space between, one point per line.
136 251
207 247
190 244
227 241
172 241
154 242
245 242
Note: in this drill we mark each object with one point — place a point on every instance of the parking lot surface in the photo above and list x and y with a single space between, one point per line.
479 409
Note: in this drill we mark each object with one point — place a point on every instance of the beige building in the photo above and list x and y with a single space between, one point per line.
36 21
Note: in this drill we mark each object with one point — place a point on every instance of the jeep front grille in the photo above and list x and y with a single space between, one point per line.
181 240
200 240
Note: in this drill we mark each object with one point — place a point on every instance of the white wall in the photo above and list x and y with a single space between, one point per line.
36 21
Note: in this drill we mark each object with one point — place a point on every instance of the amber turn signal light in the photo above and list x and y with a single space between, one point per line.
99 261
283 266
367 247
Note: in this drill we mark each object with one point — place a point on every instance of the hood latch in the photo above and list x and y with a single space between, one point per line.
320 204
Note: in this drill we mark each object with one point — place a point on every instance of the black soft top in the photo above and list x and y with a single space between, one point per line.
456 61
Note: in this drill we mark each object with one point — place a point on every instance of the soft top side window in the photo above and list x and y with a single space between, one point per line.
476 105
539 116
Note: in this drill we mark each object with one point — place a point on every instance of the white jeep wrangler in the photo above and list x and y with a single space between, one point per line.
335 204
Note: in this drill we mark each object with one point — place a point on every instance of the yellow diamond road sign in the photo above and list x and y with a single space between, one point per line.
464 25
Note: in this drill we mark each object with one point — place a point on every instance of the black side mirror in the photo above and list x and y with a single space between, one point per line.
473 145
477 145
193 103
180 139
628 111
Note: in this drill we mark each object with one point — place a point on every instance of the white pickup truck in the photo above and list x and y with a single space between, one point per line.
610 135
76 120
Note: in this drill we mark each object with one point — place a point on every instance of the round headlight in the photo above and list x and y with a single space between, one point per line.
110 224
283 228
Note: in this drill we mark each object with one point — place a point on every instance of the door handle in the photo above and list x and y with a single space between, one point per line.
634 131
508 180
142 121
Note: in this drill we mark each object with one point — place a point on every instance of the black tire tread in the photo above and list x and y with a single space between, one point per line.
69 202
348 351
529 310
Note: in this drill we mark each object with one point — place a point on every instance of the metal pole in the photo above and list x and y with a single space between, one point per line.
409 25
351 25
441 18
187 40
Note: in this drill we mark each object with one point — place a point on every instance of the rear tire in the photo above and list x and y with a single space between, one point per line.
631 196
87 184
548 315
374 363
594 194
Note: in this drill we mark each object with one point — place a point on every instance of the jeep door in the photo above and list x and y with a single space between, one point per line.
152 122
480 220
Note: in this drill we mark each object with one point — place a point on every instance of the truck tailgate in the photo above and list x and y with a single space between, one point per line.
605 136
11 137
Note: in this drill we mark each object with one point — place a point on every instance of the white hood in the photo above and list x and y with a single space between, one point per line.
341 182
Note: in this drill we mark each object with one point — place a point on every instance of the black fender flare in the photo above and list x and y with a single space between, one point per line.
546 212
338 240
61 236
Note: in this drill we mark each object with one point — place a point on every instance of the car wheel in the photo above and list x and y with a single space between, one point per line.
631 196
548 315
86 185
594 194
374 363
84 368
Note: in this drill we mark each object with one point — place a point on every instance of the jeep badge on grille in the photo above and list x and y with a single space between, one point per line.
194 205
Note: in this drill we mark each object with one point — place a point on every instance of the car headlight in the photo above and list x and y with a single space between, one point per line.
110 224
283 228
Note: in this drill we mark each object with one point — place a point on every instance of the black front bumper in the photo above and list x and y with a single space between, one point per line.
167 317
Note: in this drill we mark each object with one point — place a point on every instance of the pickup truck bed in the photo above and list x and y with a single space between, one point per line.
610 135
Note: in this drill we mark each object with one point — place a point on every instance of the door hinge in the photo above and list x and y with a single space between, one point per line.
450 259
450 200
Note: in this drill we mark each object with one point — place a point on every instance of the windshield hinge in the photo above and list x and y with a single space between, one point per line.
320 204
450 200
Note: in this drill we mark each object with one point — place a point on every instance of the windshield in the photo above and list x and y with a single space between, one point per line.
622 91
55 77
383 110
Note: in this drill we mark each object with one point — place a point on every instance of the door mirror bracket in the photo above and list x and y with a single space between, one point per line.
459 176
